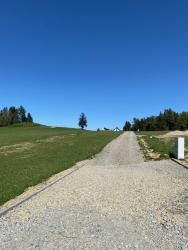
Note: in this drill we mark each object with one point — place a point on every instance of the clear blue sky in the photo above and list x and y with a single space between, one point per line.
113 60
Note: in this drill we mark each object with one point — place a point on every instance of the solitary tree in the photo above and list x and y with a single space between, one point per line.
82 121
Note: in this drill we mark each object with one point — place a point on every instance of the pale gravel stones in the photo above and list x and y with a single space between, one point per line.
116 201
123 150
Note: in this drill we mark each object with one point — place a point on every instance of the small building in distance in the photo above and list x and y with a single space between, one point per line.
117 129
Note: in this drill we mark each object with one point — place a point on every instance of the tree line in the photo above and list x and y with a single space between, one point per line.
12 115
167 120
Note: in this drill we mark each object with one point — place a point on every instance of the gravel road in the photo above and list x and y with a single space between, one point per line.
122 151
115 201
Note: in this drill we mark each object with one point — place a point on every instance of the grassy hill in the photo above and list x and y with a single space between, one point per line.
29 155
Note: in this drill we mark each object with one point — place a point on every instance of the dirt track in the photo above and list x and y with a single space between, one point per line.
116 201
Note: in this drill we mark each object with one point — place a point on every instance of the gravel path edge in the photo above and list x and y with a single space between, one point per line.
22 198
180 163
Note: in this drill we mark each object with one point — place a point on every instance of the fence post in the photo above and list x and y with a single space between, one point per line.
180 148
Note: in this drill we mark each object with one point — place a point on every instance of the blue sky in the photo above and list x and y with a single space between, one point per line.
113 60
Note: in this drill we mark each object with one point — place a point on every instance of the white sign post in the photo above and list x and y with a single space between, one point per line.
180 148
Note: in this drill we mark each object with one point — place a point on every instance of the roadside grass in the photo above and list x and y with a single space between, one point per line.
155 148
30 155
186 149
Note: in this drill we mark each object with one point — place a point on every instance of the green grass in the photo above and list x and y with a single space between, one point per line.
29 155
186 148
26 124
162 146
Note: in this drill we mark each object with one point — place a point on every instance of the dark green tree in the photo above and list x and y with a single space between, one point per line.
171 119
22 114
82 121
127 126
13 115
29 118
4 117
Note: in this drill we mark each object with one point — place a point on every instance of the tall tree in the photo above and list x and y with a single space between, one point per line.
22 114
4 117
82 121
13 115
127 126
171 119
29 118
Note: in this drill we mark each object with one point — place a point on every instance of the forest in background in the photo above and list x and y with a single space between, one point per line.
167 120
13 115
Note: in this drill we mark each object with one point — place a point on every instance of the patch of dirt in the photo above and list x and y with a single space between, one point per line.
20 147
51 139
173 134
140 136
149 152
16 148
54 138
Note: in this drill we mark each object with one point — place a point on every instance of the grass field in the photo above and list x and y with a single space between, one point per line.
155 147
29 155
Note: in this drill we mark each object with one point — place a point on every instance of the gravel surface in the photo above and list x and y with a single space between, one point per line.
122 151
115 201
